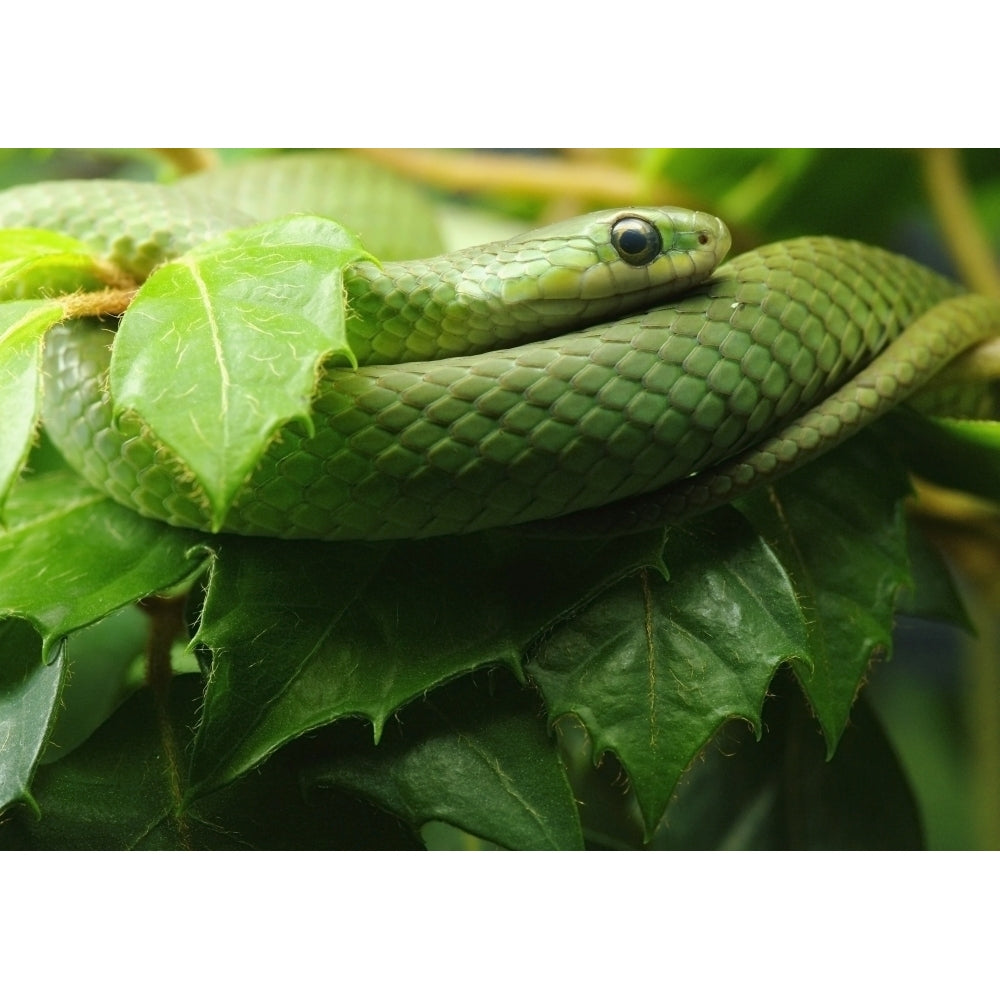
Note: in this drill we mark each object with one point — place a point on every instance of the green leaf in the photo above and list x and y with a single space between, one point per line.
303 634
653 667
37 262
474 754
838 528
223 346
70 556
22 325
121 790
82 809
104 663
29 695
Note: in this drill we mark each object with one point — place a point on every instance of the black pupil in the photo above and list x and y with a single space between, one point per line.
633 241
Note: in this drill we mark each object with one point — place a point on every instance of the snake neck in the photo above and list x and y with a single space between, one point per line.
412 310
438 308
556 280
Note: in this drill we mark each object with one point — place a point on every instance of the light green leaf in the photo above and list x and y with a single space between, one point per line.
223 346
29 694
70 556
105 662
36 262
22 325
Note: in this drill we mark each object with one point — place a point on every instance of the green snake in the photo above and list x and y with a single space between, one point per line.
601 359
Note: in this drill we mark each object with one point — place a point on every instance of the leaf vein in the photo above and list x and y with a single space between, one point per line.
647 600
213 324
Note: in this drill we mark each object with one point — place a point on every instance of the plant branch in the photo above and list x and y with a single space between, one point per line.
106 302
967 531
189 161
166 625
984 715
952 203
527 175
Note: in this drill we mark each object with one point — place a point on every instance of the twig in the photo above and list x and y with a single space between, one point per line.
537 176
961 227
166 624
189 161
105 302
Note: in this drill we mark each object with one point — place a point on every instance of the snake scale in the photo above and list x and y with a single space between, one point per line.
645 362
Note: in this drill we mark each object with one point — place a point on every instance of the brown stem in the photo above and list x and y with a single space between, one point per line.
106 302
166 626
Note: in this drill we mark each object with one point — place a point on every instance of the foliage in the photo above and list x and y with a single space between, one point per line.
696 687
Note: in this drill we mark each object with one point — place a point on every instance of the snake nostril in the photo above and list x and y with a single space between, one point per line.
703 237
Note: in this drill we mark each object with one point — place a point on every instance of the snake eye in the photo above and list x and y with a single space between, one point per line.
637 241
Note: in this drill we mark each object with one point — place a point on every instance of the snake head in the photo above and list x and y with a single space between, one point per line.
610 263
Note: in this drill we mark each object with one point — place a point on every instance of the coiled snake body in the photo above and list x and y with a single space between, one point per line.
641 380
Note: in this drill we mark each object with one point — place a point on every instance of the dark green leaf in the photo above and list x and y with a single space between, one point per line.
652 668
83 810
29 694
838 529
306 633
83 807
474 754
